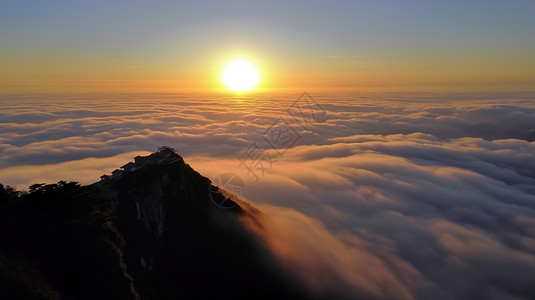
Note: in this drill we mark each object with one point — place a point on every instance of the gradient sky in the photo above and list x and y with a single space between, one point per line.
131 46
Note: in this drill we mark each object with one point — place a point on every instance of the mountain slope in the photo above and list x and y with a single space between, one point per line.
152 232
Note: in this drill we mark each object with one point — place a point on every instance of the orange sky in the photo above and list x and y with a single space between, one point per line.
172 47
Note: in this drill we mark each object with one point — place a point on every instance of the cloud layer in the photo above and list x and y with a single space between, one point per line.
386 196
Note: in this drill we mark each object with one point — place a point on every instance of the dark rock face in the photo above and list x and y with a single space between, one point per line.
57 242
160 231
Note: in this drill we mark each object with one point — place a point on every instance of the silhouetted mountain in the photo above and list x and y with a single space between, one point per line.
155 230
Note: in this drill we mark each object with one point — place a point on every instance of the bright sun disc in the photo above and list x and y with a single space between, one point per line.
240 76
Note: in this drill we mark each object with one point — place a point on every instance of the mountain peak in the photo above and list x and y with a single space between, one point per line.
164 155
158 187
151 231
175 226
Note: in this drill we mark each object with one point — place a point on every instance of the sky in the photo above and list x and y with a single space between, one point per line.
179 46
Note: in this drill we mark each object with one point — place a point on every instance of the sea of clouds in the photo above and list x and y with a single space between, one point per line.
377 196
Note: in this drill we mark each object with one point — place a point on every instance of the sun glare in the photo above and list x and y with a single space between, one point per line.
240 75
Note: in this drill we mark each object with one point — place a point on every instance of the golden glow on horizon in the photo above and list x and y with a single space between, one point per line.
275 73
240 75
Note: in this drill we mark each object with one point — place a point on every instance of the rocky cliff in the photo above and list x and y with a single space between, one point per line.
156 230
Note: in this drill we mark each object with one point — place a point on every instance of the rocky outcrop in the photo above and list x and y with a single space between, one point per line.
157 230
176 233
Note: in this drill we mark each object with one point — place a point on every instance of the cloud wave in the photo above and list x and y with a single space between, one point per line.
388 196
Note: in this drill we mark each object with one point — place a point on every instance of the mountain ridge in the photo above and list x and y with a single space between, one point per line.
157 227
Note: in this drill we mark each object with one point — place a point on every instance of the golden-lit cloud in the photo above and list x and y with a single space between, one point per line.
343 208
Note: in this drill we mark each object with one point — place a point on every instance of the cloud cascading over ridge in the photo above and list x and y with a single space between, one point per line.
405 196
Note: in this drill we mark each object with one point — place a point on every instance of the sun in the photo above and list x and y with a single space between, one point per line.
240 75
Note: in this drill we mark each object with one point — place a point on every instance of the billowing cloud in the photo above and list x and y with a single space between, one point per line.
446 219
388 196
